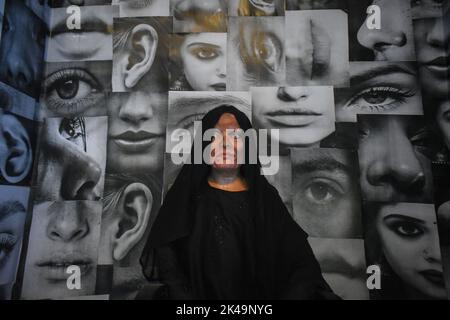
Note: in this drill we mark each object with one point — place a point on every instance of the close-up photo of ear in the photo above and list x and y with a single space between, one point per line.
140 53
72 89
143 8
198 62
402 242
256 52
317 50
22 48
256 8
199 15
130 205
85 35
385 34
17 137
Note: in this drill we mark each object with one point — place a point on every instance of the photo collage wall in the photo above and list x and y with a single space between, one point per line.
93 91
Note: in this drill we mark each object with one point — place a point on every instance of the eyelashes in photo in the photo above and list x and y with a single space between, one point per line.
22 48
317 48
394 158
325 191
379 87
199 62
76 88
71 165
256 52
402 239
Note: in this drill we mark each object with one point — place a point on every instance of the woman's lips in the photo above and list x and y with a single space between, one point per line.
433 276
136 141
55 269
439 66
293 117
219 86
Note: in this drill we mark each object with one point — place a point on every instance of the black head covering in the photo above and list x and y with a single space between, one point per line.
282 262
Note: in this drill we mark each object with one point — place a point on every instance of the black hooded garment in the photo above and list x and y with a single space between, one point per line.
278 261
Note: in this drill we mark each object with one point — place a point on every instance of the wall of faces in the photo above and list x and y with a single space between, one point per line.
92 91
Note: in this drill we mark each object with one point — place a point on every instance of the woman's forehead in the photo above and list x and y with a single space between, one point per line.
227 121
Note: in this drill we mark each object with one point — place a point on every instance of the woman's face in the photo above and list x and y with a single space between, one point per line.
204 61
394 41
443 120
136 131
433 51
303 115
227 144
409 237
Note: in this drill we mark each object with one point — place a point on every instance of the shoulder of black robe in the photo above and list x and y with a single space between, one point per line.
282 262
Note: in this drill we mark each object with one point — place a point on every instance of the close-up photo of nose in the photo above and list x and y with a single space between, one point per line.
224 158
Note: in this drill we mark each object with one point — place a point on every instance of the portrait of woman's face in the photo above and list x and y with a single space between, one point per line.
92 42
317 48
394 157
62 234
75 88
255 52
433 52
199 15
13 208
303 115
143 8
136 132
410 243
394 41
443 121
204 59
72 159
22 48
379 87
325 192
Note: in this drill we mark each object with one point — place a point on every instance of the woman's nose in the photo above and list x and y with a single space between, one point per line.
80 177
134 110
19 72
68 225
292 93
432 252
379 40
438 36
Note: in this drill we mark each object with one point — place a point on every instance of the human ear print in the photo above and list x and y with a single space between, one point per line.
17 161
143 43
135 207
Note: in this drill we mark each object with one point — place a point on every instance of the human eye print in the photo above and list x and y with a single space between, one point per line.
72 91
74 130
321 193
7 243
205 52
406 229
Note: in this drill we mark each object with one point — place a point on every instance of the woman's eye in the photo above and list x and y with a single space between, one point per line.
378 99
267 50
72 91
205 53
73 130
408 229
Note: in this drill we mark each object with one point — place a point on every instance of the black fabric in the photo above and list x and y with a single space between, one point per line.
279 259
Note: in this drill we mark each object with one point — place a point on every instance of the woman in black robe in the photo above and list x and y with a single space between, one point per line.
212 243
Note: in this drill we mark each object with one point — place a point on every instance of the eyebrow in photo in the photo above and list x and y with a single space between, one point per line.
10 207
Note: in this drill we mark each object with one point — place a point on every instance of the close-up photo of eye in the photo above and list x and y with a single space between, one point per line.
72 91
74 130
7 242
205 52
267 50
407 229
320 192
378 99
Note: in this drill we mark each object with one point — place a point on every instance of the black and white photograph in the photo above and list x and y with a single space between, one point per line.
316 4
198 62
256 52
258 8
78 88
68 3
143 8
343 265
72 159
141 50
22 48
394 159
325 192
18 135
379 87
303 115
199 15
317 50
13 212
62 234
402 240
91 40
